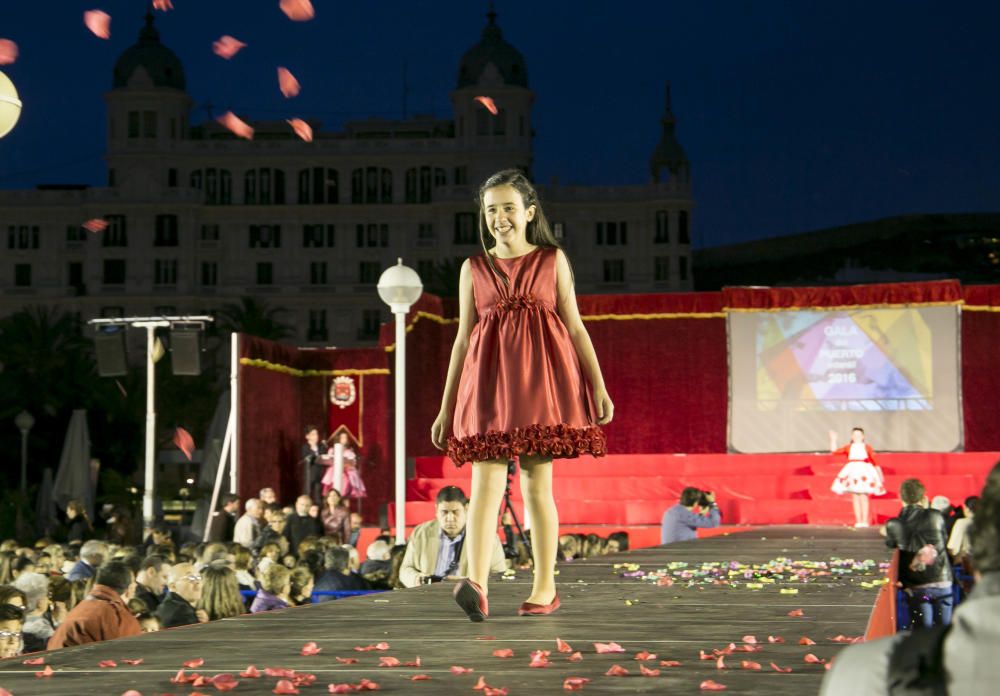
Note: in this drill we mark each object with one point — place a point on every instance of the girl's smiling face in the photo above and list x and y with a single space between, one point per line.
505 214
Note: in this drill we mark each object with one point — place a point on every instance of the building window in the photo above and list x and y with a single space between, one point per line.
133 124
265 273
661 269
165 272
264 186
166 231
559 230
209 274
75 234
372 235
614 271
22 236
112 312
465 228
662 234
116 233
171 177
209 233
217 185
112 177
317 273
149 124
425 234
425 269
612 233
369 272
265 236
683 234
683 268
318 186
166 310
371 322
114 272
22 275
317 325
421 181
318 236
74 276
461 176
371 185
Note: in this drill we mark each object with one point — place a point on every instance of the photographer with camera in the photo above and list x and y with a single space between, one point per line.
436 549
681 521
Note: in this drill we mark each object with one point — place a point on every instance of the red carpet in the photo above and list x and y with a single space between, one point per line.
631 492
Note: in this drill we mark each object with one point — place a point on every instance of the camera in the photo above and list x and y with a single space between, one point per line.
703 498
431 579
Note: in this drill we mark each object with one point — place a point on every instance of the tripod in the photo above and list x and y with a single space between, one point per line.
510 549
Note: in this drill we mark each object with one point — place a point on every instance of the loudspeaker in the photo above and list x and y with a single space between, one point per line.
185 350
109 345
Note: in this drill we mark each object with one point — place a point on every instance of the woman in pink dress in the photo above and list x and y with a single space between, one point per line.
861 476
523 382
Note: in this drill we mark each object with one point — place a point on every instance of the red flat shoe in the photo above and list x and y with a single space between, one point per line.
473 601
529 609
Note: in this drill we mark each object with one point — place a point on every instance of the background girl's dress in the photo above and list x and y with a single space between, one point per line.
522 390
860 474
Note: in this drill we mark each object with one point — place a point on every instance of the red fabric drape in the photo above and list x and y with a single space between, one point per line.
980 367
844 295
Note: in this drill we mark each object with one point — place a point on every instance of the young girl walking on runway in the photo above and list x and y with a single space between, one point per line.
861 476
523 382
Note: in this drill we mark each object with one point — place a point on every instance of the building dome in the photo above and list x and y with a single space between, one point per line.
160 63
492 49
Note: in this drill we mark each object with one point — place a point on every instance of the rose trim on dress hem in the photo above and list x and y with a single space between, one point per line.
557 441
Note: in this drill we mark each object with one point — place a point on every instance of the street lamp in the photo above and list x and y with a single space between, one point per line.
24 422
399 287
10 105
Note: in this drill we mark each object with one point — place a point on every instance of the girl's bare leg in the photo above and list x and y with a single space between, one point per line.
540 506
865 509
856 501
489 480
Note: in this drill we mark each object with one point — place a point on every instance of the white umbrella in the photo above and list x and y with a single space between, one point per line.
45 510
74 480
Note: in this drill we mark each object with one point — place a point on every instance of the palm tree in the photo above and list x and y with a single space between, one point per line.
253 317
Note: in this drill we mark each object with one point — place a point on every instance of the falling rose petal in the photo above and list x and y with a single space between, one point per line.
574 683
289 86
346 660
750 640
775 639
796 612
488 103
420 677
562 646
236 126
107 663
198 661
456 669
227 46
616 671
96 225
302 129
783 670
806 641
47 672
608 648
503 652
284 686
225 682
576 657
720 663
754 666
388 661
709 685
8 52
137 661
34 661
310 648
252 672
813 660
645 655
98 22
669 663
298 10
647 672
162 5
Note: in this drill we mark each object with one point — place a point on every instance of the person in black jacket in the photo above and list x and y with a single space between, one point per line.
78 526
184 583
301 524
314 449
921 535
150 581
338 575
223 524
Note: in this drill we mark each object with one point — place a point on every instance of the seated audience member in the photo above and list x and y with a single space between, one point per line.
680 522
101 615
336 518
57 556
569 547
268 496
338 576
248 527
215 553
21 564
148 622
356 522
223 525
273 533
594 546
92 554
396 555
275 585
378 558
178 608
242 560
159 535
301 525
150 581
302 583
955 659
617 543
436 549
60 600
11 629
37 627
220 593
11 595
958 540
920 534
78 526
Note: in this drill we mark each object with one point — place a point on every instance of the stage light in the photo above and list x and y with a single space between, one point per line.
10 105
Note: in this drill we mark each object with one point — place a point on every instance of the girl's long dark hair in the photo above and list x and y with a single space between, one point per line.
538 231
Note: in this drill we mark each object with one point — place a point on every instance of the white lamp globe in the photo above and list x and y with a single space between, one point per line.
10 105
399 287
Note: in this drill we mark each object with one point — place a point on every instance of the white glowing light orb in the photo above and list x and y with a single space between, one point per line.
10 105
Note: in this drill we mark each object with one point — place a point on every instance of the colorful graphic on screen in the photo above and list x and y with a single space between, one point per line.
857 360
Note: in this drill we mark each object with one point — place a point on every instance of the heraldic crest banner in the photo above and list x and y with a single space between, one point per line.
346 407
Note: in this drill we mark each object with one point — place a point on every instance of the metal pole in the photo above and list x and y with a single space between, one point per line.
24 461
234 411
147 495
400 427
219 473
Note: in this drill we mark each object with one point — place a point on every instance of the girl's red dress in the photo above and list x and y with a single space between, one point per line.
522 390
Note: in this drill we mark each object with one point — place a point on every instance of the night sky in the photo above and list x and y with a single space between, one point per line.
795 115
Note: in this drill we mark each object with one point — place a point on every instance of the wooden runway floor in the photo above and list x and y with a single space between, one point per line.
599 605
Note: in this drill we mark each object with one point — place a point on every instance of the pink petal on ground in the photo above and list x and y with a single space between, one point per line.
775 639
720 663
539 658
225 682
647 672
456 669
284 686
806 641
346 660
616 671
298 10
813 660
645 655
488 103
420 677
750 640
310 648
47 672
198 661
136 661
503 652
227 46
302 129
796 612
709 685
490 691
98 22
562 646
8 51
669 663
388 661
783 670
754 666
34 661
576 657
608 648
287 83
107 663
574 683
250 672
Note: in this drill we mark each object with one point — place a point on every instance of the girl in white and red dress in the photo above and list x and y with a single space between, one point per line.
861 476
